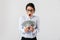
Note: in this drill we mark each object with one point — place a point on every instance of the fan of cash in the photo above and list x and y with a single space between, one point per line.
28 23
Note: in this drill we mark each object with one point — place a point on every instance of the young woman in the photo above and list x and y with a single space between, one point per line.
29 33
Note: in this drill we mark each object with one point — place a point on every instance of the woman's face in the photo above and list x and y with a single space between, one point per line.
30 11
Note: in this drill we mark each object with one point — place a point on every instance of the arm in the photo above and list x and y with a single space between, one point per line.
37 29
20 28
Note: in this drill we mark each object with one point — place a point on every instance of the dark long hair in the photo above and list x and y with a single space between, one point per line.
31 5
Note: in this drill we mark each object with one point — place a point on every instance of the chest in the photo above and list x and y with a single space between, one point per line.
31 19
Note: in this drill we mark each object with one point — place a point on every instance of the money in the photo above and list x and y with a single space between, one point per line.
28 23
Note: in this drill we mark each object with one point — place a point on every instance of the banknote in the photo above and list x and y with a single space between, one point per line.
28 23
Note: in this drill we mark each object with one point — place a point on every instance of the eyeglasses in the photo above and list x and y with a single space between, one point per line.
30 10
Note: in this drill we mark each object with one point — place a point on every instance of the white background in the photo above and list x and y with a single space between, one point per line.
48 10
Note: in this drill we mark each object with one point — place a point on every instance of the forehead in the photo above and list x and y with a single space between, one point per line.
29 7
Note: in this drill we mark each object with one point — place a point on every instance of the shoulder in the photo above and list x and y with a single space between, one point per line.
21 17
37 17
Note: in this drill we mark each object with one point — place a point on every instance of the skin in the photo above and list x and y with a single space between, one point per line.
30 14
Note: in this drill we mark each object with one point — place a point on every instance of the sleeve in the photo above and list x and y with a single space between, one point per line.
20 28
37 29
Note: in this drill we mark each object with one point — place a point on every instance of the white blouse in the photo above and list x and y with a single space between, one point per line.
29 34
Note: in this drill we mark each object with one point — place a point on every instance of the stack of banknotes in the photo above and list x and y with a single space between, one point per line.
28 23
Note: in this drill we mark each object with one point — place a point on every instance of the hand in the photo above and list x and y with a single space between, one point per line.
26 29
31 28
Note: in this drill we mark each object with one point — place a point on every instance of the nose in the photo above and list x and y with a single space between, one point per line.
29 12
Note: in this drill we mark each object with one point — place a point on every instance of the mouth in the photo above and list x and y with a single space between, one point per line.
28 27
29 14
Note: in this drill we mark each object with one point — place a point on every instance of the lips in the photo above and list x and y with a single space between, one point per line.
28 27
29 14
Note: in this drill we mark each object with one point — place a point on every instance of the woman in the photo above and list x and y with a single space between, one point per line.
29 32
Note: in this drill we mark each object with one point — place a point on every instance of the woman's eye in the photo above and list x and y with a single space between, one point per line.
29 10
